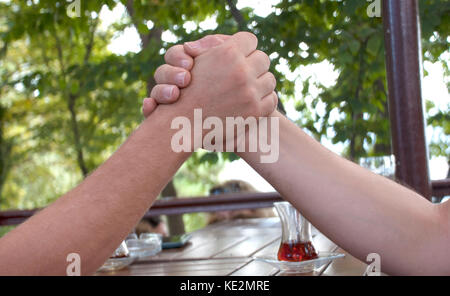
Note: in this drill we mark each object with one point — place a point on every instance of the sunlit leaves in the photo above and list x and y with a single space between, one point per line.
46 58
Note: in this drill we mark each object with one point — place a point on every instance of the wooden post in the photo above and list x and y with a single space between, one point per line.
404 73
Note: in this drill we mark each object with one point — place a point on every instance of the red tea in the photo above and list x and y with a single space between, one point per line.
296 252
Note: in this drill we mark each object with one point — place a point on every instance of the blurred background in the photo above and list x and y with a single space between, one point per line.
73 75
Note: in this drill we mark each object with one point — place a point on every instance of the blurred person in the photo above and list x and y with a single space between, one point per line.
151 225
235 186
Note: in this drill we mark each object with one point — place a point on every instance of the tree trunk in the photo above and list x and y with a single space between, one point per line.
175 222
356 144
5 153
237 15
76 137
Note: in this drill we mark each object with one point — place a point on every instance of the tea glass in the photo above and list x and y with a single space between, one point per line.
296 239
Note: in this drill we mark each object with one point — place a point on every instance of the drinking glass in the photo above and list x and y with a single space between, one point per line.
296 239
151 237
148 244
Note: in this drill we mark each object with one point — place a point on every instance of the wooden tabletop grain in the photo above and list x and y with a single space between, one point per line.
228 248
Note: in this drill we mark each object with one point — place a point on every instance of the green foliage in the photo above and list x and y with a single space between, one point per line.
441 120
5 229
71 95
194 221
308 32
67 102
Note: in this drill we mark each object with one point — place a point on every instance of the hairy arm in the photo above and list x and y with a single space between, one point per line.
96 216
359 210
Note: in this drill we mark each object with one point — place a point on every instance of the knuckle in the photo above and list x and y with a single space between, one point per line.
261 55
267 60
249 35
275 102
210 39
273 80
173 54
159 70
270 105
149 105
252 36
241 74
230 51
154 93
263 58
161 73
249 94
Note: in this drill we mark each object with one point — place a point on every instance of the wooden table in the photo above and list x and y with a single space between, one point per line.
227 248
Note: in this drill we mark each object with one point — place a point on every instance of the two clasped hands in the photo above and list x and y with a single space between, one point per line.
230 77
225 76
224 81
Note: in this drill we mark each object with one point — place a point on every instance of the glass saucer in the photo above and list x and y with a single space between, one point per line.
143 248
116 263
300 267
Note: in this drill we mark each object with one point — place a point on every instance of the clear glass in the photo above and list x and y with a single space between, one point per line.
131 236
300 267
296 239
151 237
119 259
295 228
113 264
148 244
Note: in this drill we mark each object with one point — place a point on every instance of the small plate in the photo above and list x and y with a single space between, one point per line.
116 263
303 266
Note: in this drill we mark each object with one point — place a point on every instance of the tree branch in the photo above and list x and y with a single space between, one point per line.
358 115
5 153
60 54
90 43
237 15
77 136
71 98
155 35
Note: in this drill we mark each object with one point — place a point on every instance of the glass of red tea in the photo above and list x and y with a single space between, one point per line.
296 239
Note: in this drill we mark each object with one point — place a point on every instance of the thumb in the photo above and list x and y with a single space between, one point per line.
196 48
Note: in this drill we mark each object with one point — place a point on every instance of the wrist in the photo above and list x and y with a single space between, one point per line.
158 127
267 140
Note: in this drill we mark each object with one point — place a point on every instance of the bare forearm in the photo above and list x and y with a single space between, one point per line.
362 212
95 217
